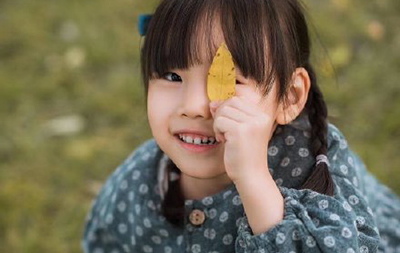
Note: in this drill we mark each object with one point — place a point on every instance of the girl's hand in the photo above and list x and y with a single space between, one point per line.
245 131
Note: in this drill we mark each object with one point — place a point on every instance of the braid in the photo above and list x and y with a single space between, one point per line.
173 206
320 179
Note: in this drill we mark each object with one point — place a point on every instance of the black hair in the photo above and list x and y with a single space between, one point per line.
268 40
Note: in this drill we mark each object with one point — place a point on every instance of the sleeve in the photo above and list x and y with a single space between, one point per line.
103 222
97 237
316 222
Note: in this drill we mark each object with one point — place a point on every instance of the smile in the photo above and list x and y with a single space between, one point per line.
197 140
196 144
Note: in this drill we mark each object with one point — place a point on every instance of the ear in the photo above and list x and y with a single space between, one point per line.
297 95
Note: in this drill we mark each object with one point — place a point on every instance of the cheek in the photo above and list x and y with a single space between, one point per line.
159 108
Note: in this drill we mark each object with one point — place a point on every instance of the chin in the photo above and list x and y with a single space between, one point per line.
199 169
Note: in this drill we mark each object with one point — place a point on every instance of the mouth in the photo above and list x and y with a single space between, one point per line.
196 139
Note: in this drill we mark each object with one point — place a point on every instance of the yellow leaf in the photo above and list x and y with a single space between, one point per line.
221 79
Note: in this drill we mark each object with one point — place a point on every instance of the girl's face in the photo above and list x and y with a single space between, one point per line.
178 104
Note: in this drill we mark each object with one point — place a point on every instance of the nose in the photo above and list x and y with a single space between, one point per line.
195 102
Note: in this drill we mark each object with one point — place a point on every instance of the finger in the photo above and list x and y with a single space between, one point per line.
232 113
223 126
243 105
214 105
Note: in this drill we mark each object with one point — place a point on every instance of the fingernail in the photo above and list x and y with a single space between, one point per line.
215 103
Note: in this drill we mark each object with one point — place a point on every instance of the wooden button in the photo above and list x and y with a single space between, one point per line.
197 217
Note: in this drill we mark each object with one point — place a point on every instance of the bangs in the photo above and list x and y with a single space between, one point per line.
181 31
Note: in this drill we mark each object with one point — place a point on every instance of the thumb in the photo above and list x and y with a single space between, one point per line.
214 106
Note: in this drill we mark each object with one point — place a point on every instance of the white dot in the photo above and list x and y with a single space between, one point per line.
303 152
364 249
285 162
179 240
146 156
135 175
273 150
335 136
114 197
121 206
210 233
344 169
196 248
355 181
131 218
122 228
207 201
329 241
143 188
334 217
212 213
290 140
156 239
151 205
164 232
296 235
139 231
137 208
224 216
346 232
98 250
360 221
296 172
147 223
131 196
227 239
323 204
312 194
310 242
353 200
350 160
236 200
342 144
347 206
124 185
147 249
280 238
227 193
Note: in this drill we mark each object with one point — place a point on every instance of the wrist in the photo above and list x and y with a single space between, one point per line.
261 175
262 201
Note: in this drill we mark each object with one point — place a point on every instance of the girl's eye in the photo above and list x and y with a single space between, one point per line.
170 76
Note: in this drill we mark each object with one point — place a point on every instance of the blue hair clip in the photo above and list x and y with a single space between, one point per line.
144 20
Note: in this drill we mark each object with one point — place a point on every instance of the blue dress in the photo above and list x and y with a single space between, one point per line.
362 216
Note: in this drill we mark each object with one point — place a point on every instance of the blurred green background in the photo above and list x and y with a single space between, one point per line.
72 105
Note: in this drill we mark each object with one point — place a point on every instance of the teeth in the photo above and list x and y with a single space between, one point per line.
189 139
198 140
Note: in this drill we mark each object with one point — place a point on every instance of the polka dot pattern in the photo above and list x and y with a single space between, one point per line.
126 216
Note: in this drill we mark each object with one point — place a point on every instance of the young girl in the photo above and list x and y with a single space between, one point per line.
262 171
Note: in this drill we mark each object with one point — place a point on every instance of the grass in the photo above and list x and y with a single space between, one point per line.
72 104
